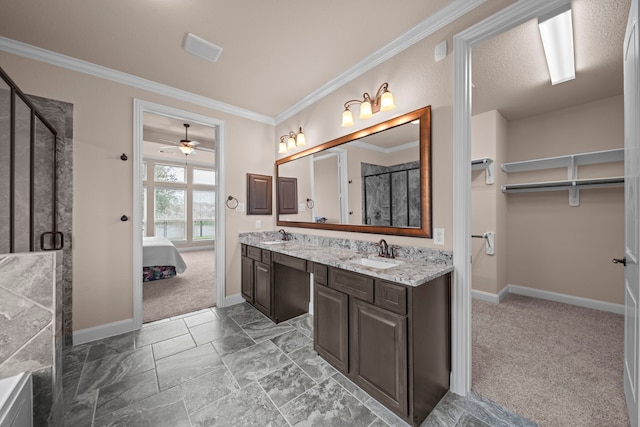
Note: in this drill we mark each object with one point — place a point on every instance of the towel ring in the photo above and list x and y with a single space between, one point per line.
229 199
310 203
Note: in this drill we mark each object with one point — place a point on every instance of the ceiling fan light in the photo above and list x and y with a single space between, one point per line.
186 149
365 110
347 118
386 101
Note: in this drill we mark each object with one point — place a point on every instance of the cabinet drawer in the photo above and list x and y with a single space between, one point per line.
254 253
391 297
320 273
355 284
266 256
289 261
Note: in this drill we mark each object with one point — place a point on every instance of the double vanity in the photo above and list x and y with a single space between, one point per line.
384 323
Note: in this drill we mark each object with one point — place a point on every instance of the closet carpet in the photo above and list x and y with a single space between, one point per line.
190 291
553 363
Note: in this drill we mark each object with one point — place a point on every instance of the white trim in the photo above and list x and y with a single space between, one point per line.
197 248
365 145
103 331
177 161
489 297
496 24
139 108
440 19
567 299
233 300
64 61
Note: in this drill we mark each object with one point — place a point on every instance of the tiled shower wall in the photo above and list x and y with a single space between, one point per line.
391 199
31 327
60 115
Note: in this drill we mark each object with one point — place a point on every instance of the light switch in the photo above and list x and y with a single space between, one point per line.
240 207
301 207
438 236
258 223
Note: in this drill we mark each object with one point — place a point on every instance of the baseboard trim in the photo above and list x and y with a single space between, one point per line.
103 331
486 296
548 295
567 299
233 300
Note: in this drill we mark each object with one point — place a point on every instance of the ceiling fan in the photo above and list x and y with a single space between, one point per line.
186 145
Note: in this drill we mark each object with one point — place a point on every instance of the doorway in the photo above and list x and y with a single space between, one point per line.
499 23
180 193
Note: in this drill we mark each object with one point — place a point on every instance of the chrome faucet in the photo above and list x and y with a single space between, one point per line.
285 235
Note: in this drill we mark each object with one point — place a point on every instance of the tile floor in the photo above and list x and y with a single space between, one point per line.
231 366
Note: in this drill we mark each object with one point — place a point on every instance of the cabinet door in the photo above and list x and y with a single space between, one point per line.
262 290
378 353
247 279
331 326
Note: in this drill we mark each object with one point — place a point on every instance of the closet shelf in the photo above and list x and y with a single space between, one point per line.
568 161
572 183
486 164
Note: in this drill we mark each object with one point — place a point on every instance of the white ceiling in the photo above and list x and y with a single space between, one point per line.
277 52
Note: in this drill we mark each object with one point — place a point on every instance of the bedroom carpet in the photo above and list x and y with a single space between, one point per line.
553 363
190 291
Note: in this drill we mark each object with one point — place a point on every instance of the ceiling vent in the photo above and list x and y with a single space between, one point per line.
201 48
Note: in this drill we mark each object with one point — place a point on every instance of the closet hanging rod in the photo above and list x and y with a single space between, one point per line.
564 185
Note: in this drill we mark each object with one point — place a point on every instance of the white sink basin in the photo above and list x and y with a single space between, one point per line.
274 242
379 263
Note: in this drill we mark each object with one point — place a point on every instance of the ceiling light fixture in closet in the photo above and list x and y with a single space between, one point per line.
556 31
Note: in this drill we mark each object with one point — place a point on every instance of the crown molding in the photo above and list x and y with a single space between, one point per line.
441 18
64 61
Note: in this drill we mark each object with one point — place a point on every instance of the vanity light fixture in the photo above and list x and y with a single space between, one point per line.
291 141
383 101
556 31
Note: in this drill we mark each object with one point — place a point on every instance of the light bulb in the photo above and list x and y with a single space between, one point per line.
365 110
386 102
300 139
186 149
291 143
347 118
282 147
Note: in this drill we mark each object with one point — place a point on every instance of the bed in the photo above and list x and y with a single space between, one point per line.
160 259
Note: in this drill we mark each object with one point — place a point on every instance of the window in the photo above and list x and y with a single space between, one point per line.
204 214
179 202
204 176
167 173
170 214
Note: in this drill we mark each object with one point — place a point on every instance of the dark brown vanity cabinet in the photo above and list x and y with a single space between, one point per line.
331 325
256 278
394 341
274 283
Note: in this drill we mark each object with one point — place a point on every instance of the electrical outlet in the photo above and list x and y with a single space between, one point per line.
438 236
240 207
258 223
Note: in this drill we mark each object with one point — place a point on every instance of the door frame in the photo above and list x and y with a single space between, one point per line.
502 21
139 108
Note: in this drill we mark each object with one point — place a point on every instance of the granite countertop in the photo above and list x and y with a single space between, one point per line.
410 272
